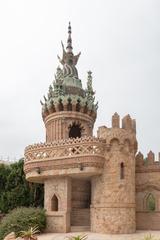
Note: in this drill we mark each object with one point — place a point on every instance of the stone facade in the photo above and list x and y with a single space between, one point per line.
95 182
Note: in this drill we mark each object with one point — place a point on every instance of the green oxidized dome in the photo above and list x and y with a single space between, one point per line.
67 87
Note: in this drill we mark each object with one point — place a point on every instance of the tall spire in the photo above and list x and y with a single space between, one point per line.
69 40
69 60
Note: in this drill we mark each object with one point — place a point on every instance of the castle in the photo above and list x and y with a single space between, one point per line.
91 183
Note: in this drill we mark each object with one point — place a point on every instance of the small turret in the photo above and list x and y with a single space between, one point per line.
115 120
150 157
139 159
127 122
118 181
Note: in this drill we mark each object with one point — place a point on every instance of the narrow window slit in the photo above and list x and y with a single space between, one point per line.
122 171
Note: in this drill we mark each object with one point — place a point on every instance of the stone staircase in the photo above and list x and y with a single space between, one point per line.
80 217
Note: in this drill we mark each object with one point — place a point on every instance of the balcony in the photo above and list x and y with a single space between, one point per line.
70 157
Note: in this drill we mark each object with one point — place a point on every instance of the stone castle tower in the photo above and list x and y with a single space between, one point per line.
90 182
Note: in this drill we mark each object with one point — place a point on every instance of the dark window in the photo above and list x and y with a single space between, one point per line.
60 105
69 105
122 171
54 203
75 131
78 106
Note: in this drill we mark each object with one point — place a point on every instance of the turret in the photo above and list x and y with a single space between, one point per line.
68 107
113 209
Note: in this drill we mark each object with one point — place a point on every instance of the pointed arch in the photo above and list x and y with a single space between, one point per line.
150 203
54 203
114 144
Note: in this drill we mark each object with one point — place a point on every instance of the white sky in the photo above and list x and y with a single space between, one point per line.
120 43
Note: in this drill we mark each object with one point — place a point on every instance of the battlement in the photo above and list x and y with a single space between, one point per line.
127 123
149 161
124 135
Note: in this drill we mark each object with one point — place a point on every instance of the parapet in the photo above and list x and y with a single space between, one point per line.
149 161
127 123
124 136
115 120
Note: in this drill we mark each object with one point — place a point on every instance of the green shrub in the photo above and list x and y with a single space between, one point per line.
21 219
15 191
149 237
78 237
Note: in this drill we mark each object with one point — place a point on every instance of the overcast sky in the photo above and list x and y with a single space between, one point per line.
120 44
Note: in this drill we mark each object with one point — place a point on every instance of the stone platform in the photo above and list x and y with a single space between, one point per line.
139 235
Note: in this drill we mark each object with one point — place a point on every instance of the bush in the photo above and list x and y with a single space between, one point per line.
21 219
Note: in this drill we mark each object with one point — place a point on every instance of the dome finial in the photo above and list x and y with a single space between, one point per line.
69 40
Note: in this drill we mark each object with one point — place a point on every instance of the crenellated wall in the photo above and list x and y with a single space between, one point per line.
147 184
113 209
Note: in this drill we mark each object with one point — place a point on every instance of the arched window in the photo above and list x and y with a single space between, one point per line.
75 130
54 203
60 105
122 170
69 105
150 203
78 106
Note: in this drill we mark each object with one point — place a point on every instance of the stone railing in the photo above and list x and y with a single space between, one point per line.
67 148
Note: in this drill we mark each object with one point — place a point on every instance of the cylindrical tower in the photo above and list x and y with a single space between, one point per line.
113 193
69 113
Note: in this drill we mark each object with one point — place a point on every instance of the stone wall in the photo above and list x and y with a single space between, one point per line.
58 221
147 182
148 220
113 193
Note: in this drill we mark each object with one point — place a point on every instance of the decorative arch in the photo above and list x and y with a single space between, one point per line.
114 144
69 105
75 130
78 106
54 203
60 106
150 202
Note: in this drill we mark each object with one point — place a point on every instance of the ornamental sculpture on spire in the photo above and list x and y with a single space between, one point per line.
66 91
69 60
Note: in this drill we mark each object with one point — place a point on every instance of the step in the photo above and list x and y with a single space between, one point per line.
80 217
80 228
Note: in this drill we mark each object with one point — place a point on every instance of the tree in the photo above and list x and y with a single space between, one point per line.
15 191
